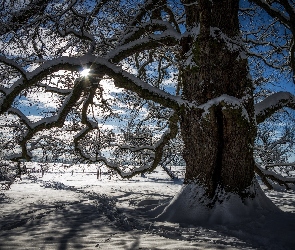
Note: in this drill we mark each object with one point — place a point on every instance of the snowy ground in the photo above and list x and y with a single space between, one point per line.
74 210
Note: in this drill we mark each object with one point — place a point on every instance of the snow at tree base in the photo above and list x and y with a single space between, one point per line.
187 207
139 85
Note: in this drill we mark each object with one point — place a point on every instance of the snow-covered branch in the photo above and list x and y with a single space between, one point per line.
273 103
123 79
13 64
284 164
273 11
47 122
155 156
269 177
54 89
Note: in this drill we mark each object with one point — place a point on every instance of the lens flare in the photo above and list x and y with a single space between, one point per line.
85 72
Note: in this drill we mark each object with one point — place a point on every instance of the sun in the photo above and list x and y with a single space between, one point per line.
85 72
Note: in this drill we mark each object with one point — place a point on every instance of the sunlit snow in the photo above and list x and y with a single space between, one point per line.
70 208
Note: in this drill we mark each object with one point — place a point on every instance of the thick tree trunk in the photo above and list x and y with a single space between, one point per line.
220 187
218 142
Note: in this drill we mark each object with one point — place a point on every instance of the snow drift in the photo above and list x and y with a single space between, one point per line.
192 207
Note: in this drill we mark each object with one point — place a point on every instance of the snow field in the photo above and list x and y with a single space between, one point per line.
70 209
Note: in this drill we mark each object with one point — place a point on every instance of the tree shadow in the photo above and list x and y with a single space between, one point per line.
96 219
62 225
65 225
78 219
59 225
275 229
283 199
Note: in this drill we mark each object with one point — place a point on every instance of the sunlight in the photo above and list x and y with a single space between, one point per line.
84 72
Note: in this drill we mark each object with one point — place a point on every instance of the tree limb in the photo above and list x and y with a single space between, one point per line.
272 104
267 175
273 12
122 78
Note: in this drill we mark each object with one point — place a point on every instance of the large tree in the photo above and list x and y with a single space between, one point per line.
184 66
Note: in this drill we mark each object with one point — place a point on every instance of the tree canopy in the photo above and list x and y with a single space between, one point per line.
107 81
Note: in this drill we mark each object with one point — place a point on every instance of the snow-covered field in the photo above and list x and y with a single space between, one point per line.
71 209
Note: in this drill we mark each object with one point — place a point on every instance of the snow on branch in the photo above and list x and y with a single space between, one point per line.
225 100
13 64
283 164
135 148
274 12
269 177
47 122
273 103
156 156
168 37
154 25
54 89
99 65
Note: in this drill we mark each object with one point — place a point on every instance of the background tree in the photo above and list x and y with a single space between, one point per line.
156 69
274 147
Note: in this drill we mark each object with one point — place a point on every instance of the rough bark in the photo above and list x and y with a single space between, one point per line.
219 143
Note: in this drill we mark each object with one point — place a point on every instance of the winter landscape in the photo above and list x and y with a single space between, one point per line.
71 209
147 124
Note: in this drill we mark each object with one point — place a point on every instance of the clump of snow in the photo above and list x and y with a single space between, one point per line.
229 101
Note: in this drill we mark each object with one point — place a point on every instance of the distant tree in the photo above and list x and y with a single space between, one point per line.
274 146
170 66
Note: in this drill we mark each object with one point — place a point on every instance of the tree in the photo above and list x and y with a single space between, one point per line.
167 65
273 147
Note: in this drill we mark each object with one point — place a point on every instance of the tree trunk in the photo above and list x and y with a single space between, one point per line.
218 143
219 139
